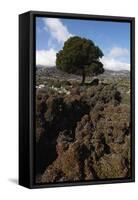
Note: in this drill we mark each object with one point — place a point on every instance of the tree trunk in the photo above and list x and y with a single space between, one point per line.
83 76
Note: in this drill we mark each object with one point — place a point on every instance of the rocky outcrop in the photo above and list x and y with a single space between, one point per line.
86 135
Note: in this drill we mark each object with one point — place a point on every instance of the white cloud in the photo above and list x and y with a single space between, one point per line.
114 64
60 33
57 29
118 52
46 57
114 60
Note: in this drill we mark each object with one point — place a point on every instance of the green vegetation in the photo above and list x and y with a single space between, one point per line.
80 55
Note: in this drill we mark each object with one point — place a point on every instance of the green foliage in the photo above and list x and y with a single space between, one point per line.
80 55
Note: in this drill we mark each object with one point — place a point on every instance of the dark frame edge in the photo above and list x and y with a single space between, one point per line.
24 100
133 96
82 15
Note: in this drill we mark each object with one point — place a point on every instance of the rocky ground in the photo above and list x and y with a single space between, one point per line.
82 132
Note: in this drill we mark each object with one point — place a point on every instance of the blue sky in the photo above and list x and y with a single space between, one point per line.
112 37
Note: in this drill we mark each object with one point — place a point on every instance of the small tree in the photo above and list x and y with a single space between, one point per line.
80 55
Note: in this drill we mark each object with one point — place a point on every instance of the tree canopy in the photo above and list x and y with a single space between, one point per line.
80 56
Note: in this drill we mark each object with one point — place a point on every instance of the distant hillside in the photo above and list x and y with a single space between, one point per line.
116 73
54 72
